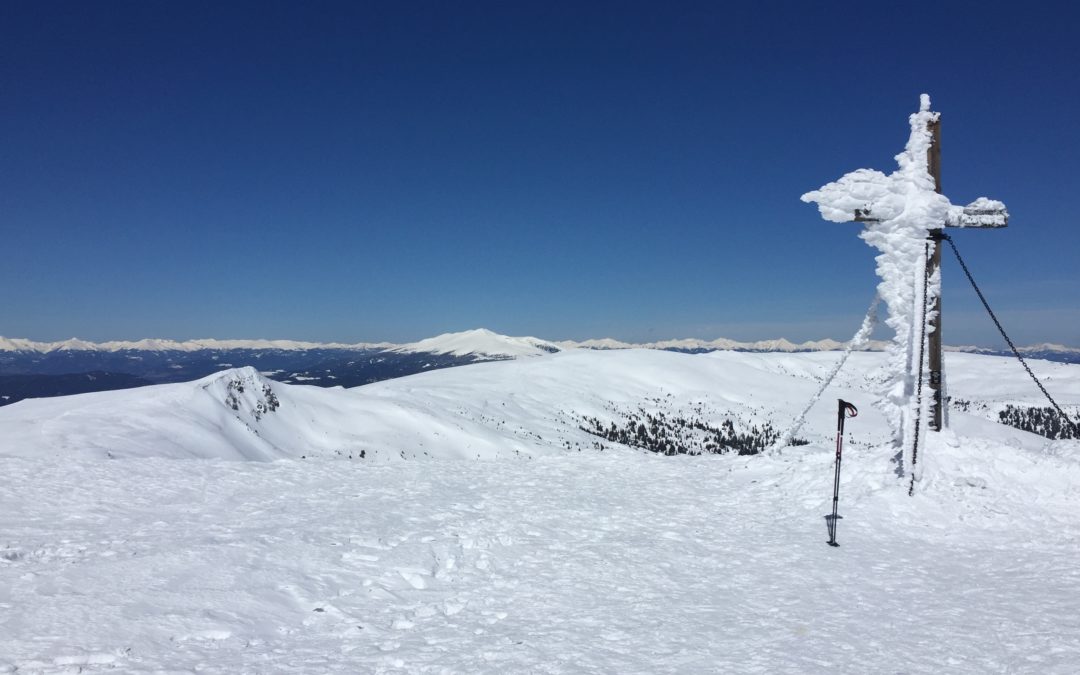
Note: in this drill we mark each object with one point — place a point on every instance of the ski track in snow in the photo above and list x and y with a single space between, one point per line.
591 563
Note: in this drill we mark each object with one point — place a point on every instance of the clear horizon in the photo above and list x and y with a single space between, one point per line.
354 172
879 335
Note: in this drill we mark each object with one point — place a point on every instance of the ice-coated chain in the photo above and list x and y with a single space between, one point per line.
1015 351
856 342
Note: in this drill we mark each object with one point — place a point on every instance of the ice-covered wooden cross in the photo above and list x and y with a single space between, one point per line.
904 213
912 193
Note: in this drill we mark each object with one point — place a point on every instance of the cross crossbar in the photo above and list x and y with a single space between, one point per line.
967 217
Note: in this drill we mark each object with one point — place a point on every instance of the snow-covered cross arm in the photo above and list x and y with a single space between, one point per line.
982 212
910 194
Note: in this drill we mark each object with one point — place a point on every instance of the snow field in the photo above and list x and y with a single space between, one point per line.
546 559
612 562
530 407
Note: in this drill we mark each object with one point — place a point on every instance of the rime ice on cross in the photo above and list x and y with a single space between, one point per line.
904 213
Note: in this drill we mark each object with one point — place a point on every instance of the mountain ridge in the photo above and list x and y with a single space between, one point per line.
476 341
668 402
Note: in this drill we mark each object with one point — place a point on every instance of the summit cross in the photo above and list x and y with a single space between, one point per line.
904 214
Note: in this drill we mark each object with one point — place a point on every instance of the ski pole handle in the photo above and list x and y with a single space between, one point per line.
843 410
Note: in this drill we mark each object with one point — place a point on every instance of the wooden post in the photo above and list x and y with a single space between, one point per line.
933 162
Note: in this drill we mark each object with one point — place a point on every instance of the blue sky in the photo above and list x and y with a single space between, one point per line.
390 171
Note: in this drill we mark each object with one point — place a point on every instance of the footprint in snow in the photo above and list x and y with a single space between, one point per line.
212 634
452 607
414 577
351 556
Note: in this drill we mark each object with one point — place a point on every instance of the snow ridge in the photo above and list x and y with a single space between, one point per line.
526 407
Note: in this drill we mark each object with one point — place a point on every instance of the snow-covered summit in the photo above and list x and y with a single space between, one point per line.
483 344
244 390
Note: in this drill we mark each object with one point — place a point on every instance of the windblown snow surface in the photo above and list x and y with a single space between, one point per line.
131 540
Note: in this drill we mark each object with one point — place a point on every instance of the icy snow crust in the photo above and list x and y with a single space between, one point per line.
547 559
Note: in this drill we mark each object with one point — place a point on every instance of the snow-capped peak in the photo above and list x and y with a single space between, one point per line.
1048 347
482 343
75 344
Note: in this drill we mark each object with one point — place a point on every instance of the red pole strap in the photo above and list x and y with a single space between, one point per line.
843 410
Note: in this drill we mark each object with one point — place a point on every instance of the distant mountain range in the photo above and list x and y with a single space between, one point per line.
31 369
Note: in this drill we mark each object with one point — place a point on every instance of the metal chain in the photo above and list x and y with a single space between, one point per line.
1015 351
922 354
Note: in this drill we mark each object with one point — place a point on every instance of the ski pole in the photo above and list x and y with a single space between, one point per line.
844 409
